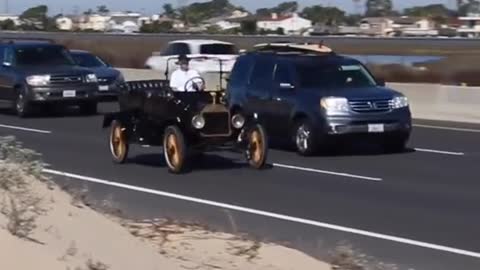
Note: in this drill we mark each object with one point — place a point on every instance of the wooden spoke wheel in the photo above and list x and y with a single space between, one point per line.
118 142
174 149
257 147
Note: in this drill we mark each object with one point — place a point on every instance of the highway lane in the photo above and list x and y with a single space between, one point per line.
425 196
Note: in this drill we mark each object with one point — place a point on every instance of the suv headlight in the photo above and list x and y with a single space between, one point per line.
399 102
120 78
38 80
334 104
91 78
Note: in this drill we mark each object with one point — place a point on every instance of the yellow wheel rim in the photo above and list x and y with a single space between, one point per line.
118 142
256 146
172 150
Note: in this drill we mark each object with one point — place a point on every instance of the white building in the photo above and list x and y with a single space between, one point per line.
95 22
470 25
124 22
376 26
289 23
412 26
64 23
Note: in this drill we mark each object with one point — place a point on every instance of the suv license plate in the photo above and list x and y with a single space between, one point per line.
376 128
69 93
103 88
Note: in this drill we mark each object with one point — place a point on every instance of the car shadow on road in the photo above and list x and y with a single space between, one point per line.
344 149
204 162
57 112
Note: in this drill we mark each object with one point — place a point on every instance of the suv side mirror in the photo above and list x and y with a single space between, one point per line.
286 86
381 81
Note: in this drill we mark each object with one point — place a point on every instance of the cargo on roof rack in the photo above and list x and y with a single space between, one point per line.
293 47
23 40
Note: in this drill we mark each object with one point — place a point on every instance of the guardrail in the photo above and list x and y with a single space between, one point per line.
428 101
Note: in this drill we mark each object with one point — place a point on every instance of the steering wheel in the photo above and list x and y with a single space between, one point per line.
196 84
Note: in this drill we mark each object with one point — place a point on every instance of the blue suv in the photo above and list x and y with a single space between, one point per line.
315 97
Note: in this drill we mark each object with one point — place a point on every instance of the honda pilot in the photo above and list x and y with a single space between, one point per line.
313 98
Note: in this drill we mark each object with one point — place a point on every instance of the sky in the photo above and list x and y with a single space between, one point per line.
155 6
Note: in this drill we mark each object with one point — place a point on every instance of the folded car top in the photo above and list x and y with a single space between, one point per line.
293 47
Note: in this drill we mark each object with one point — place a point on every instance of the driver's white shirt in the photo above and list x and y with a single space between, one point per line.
179 78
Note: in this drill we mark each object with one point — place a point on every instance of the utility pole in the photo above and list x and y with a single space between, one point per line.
6 7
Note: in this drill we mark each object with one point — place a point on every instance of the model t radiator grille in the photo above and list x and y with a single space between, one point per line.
216 123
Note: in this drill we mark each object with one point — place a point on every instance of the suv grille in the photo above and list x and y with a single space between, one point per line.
65 79
370 105
216 123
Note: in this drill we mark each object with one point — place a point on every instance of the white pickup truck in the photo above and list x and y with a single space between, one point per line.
204 52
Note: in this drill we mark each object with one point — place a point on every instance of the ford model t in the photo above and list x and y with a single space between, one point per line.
186 123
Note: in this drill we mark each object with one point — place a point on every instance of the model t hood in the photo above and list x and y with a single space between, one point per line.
55 70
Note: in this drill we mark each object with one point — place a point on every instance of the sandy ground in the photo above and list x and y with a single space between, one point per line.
69 235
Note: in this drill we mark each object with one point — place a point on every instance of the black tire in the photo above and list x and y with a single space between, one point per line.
89 108
304 138
175 149
21 107
257 149
118 141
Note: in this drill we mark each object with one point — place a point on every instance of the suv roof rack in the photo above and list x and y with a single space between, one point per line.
287 47
22 39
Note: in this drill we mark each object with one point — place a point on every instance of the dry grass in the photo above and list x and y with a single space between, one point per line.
19 169
346 258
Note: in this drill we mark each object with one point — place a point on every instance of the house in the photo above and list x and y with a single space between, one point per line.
176 24
64 23
291 24
227 22
376 26
470 25
124 22
413 26
93 22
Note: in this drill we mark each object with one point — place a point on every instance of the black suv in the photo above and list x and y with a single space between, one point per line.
312 97
36 72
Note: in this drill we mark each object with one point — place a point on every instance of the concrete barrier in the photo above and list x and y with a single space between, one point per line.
442 102
428 101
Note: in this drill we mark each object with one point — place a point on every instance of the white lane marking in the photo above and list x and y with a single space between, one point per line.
448 128
26 129
326 172
270 214
439 152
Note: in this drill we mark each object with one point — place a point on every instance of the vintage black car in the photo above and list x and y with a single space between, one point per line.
186 124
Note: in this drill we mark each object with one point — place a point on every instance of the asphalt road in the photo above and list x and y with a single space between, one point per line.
418 209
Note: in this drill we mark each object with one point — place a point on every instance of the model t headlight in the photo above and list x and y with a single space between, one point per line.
334 105
238 121
38 80
198 122
91 78
399 102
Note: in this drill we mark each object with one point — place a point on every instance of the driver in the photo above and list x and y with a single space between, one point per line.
182 75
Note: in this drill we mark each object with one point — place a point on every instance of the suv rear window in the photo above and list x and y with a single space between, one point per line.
218 49
42 56
312 75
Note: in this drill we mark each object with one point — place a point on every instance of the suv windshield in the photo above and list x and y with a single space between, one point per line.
312 75
218 48
88 60
42 56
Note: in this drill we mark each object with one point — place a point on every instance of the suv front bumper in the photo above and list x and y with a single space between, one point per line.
398 121
63 94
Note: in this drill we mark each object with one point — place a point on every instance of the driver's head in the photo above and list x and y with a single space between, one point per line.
183 61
